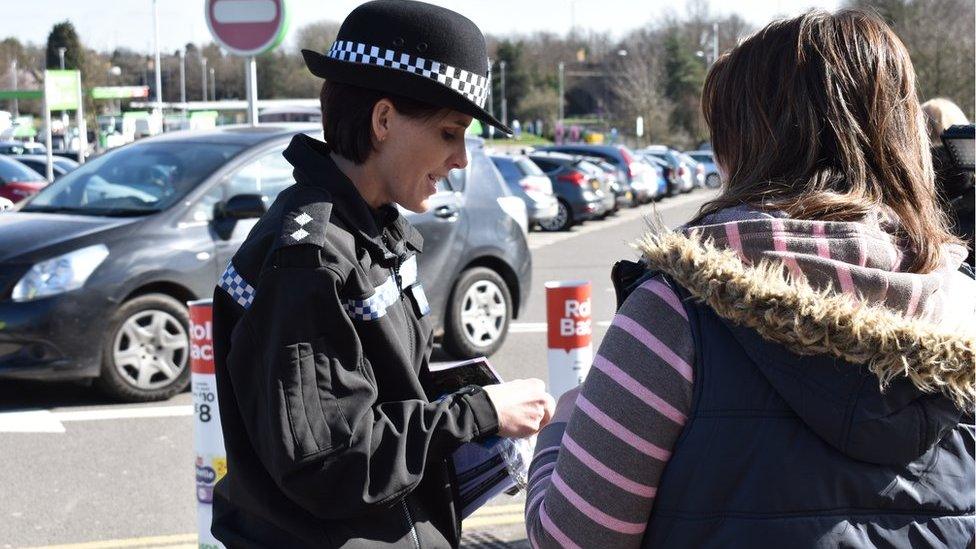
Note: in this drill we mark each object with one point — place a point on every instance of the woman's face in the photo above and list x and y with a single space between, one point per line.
414 154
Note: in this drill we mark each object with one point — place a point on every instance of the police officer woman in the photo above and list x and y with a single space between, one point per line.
322 340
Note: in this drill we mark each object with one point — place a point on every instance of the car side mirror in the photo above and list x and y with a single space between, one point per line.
241 206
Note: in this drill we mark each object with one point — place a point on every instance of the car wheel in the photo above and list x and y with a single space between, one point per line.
478 314
146 352
713 181
561 221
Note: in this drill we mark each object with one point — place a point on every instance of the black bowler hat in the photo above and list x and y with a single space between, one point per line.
412 49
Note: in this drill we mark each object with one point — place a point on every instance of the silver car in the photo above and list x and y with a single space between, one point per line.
526 181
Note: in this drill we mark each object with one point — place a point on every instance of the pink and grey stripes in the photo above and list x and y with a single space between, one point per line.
858 259
593 481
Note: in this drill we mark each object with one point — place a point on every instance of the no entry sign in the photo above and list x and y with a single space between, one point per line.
247 27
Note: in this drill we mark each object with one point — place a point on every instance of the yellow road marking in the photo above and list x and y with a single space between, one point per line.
475 521
495 515
500 509
151 541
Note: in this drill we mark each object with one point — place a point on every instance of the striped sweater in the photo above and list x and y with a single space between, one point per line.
593 480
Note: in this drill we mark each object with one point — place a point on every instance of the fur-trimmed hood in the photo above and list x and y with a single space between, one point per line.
807 287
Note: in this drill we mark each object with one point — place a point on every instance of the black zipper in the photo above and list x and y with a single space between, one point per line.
409 517
406 307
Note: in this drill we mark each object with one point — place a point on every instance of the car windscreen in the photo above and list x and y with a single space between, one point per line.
12 171
702 157
528 167
139 179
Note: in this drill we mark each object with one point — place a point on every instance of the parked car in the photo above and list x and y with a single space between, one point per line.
623 195
707 159
17 181
663 172
95 270
526 181
697 170
21 147
37 162
636 174
578 193
476 258
683 177
612 190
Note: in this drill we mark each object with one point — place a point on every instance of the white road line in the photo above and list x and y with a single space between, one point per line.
46 421
126 413
32 421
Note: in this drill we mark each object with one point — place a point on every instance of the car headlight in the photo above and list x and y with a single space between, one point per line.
61 274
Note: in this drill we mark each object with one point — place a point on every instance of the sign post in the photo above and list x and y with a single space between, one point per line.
570 328
248 28
208 439
62 92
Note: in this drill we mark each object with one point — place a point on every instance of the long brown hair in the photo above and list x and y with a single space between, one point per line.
817 116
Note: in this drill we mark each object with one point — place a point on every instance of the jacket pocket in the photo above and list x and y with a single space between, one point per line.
315 420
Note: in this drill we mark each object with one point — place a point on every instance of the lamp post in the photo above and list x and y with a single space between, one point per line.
159 73
64 114
714 42
13 67
501 65
203 75
183 78
562 67
213 84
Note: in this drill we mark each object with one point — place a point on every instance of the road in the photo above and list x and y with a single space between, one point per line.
80 472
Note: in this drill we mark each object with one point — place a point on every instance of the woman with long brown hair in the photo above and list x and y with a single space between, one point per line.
794 368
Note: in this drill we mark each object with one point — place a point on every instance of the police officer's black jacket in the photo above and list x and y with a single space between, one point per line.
321 347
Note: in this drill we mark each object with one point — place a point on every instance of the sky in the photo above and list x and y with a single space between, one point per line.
107 24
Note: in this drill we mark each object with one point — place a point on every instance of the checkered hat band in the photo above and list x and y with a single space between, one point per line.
472 86
235 285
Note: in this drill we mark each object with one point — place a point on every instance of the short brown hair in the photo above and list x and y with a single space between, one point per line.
347 114
817 116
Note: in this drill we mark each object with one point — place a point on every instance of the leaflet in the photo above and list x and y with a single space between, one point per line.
482 470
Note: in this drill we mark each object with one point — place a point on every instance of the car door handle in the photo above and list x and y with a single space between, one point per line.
446 212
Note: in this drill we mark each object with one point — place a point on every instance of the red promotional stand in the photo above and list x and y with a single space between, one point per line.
568 308
208 439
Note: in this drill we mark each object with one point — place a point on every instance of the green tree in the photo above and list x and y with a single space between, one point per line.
684 76
63 35
516 78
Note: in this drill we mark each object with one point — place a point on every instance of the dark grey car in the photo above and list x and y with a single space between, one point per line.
580 196
96 269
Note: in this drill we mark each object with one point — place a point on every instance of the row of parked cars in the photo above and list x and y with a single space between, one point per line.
22 165
563 185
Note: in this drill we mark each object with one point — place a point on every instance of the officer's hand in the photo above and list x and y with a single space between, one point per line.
523 407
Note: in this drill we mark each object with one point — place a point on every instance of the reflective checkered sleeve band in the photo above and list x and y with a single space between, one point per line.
238 288
386 294
472 86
